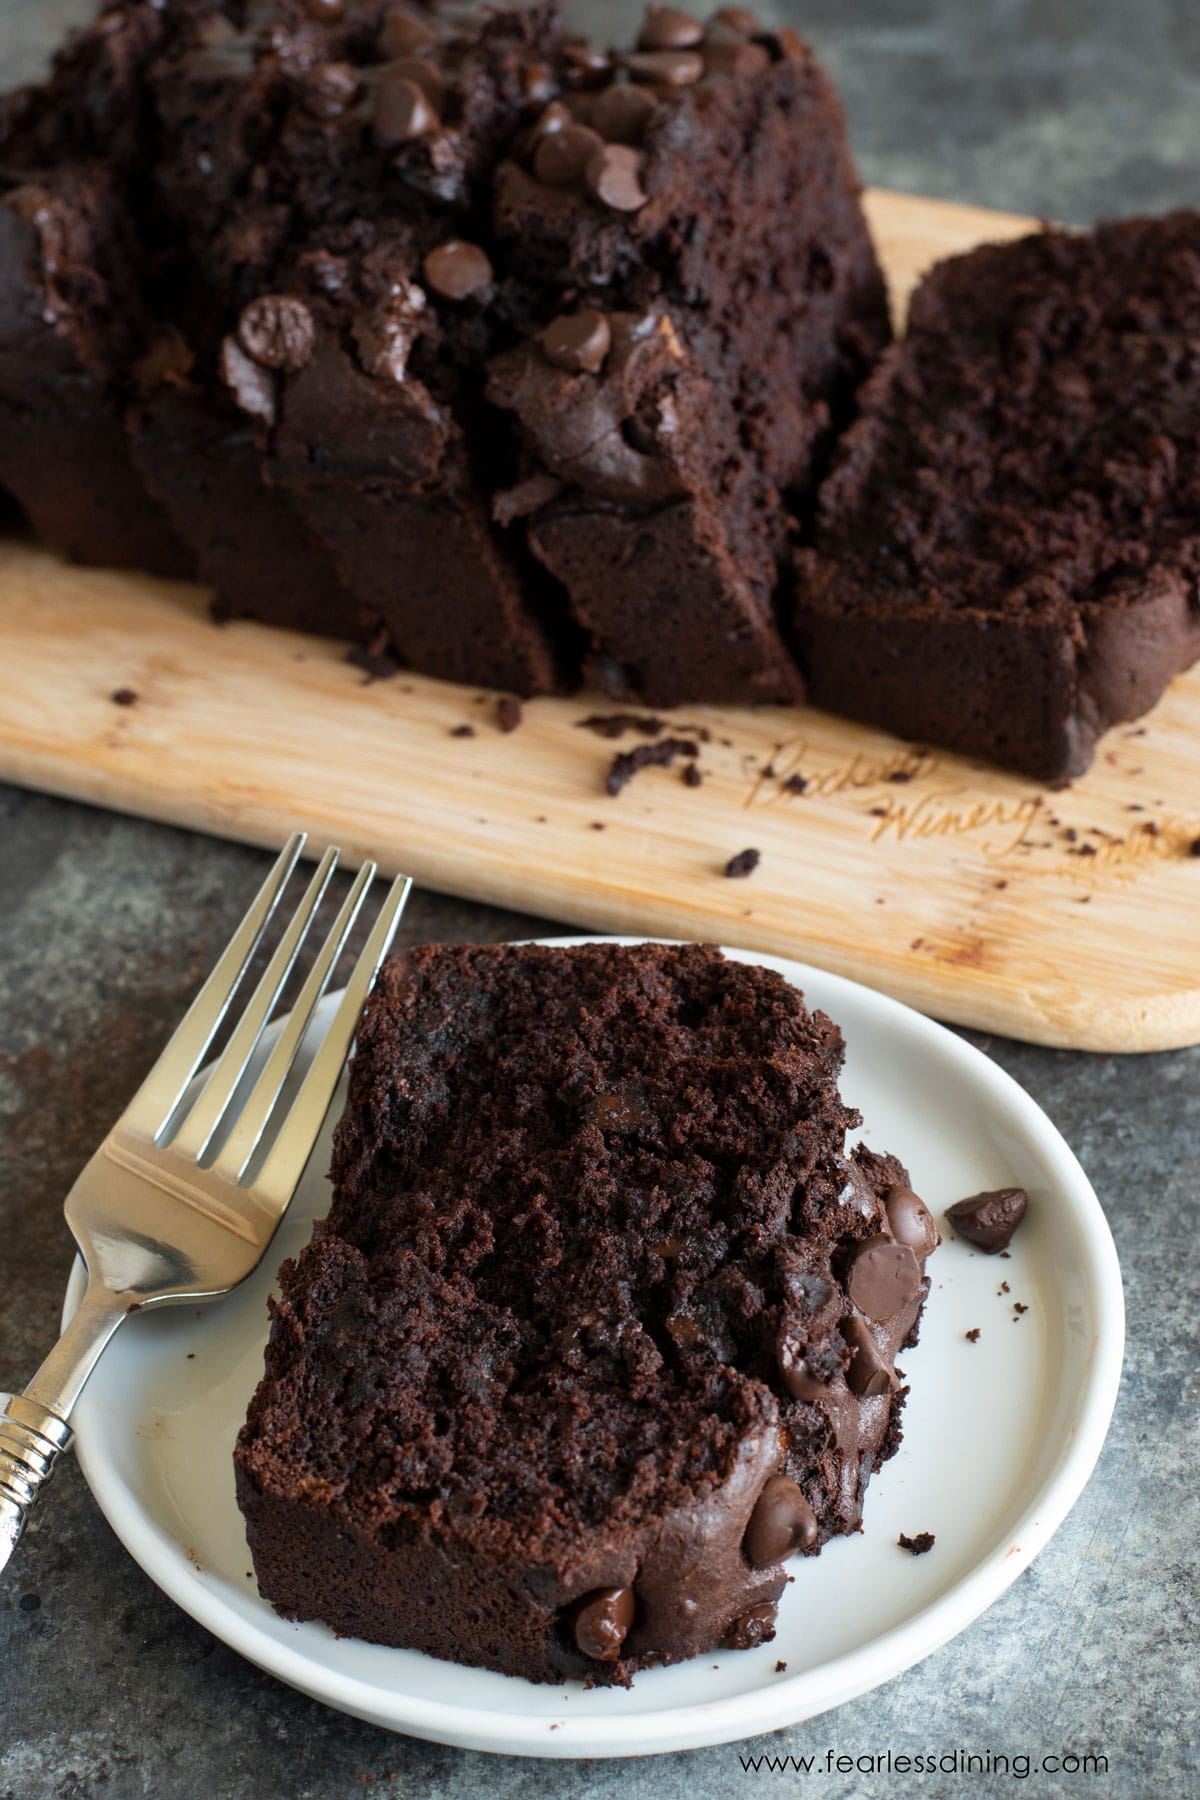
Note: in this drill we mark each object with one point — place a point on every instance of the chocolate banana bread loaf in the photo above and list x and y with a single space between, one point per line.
602 1326
1007 555
357 241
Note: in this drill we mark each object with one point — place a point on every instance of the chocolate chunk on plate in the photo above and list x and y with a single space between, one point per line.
988 1220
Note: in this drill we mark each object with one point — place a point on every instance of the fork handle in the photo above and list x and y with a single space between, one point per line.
33 1427
31 1438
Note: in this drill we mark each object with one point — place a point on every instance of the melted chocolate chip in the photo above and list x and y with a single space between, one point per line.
884 1278
577 342
869 1372
614 177
666 28
427 76
403 32
781 1523
798 1378
277 330
602 1622
911 1221
552 119
402 112
666 68
989 1220
456 269
757 1626
621 113
562 156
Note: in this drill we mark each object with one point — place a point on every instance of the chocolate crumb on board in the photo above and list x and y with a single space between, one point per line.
626 763
796 784
972 1336
692 775
780 1668
463 731
1003 1288
615 725
743 864
1193 848
509 712
124 696
1018 1309
919 1545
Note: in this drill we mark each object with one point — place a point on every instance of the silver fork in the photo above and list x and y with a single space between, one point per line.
158 1214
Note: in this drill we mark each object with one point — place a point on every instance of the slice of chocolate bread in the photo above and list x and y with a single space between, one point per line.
73 307
683 245
601 1327
1008 550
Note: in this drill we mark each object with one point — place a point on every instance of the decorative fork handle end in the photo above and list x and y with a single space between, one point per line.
31 1438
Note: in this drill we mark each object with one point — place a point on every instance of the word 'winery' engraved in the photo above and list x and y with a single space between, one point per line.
950 813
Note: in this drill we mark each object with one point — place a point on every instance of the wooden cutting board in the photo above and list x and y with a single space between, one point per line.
1067 918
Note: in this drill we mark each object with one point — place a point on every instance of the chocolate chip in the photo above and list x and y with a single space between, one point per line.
456 269
743 864
622 112
577 342
402 113
884 1278
602 1622
989 1220
911 1221
277 330
426 74
614 177
737 58
666 28
666 68
739 19
509 712
869 1372
782 1522
325 12
587 66
752 1628
252 386
562 156
790 44
402 32
552 119
332 90
798 1379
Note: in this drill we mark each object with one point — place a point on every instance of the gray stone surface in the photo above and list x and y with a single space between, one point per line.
1065 107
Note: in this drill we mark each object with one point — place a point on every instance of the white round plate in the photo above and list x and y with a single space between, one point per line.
999 1438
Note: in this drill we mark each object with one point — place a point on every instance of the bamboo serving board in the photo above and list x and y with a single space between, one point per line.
1067 918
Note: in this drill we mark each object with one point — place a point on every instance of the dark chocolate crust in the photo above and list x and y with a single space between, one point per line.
602 1322
1008 548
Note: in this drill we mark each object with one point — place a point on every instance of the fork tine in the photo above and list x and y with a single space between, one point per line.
159 1094
253 1118
284 1163
197 1128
